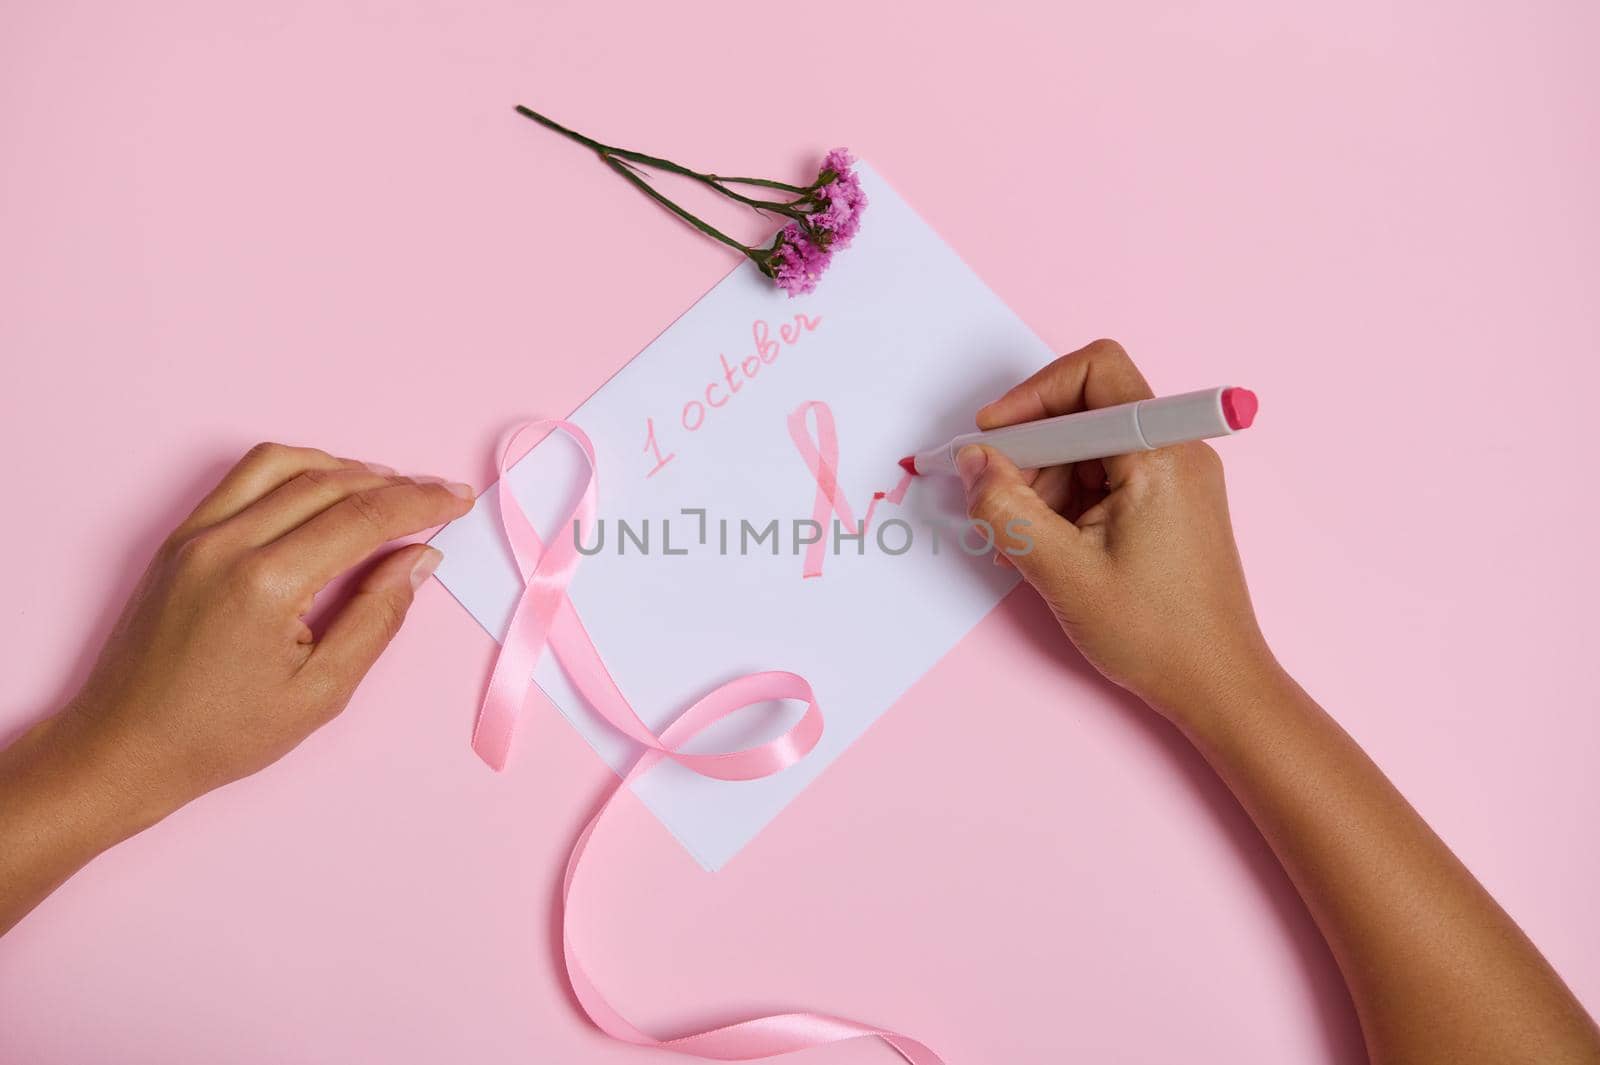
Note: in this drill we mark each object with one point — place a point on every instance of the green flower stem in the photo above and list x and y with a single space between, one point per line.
717 183
779 185
650 191
549 123
788 210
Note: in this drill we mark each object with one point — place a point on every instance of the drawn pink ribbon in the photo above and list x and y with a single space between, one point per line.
822 459
544 617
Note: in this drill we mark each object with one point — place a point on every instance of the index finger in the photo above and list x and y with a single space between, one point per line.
353 528
1098 375
263 468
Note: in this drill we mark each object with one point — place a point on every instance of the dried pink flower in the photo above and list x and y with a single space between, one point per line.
796 262
840 200
803 250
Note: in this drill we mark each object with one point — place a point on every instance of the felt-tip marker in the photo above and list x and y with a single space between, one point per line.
1143 425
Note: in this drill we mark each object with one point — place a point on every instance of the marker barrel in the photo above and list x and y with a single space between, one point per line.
1095 434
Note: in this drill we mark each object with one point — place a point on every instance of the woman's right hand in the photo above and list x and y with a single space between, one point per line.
1134 554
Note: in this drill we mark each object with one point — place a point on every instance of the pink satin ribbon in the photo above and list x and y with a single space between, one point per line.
544 617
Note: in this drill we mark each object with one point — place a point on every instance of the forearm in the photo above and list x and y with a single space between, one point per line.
1438 972
63 800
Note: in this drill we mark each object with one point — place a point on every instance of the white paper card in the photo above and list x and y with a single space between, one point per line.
903 343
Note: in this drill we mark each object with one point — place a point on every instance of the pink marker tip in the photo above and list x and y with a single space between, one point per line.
1239 406
909 464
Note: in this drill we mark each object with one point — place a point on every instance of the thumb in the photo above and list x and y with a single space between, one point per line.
1025 528
360 631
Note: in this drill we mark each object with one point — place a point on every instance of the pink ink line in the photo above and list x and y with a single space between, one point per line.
822 459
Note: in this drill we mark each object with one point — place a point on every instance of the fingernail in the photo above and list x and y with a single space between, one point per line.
380 468
465 491
426 564
971 461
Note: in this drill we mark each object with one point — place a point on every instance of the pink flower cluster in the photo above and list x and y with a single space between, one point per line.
804 249
796 263
843 200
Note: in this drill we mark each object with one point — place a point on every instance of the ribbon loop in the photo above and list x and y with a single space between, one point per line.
545 617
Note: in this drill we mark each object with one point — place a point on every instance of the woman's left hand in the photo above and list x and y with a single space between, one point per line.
211 672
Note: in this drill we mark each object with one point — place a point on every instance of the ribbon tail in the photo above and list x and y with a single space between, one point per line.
754 1039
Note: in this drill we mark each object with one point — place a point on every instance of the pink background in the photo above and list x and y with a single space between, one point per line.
322 223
